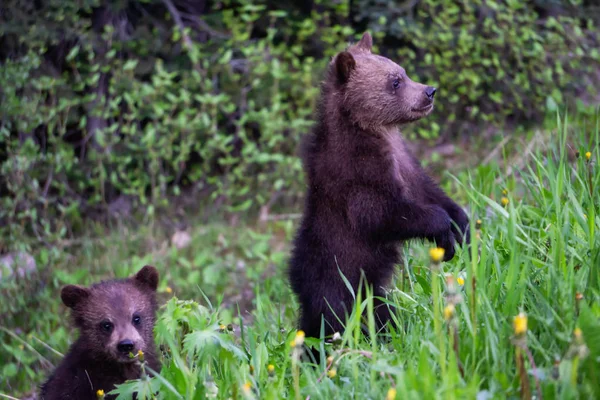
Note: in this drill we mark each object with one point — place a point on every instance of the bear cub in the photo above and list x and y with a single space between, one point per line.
366 193
114 318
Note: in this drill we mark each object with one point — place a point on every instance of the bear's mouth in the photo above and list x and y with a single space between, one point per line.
126 359
426 108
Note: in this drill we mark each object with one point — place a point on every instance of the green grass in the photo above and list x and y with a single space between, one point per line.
533 255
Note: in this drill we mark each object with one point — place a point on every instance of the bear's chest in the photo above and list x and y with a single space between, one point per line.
399 161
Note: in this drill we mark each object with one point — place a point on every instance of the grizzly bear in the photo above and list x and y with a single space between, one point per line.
366 193
115 319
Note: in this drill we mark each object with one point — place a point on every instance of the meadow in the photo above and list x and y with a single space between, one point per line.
166 132
515 315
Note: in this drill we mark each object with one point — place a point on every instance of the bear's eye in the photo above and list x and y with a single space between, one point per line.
106 326
396 83
136 319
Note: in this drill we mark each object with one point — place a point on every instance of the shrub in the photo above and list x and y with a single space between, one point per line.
125 119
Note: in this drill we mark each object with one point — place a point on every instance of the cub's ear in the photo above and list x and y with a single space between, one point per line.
344 65
365 43
72 295
147 277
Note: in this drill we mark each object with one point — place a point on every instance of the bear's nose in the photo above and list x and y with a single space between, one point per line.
430 92
125 346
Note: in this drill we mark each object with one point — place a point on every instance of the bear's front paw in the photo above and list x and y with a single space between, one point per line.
460 225
446 242
438 222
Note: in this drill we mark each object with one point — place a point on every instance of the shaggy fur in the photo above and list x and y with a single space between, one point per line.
114 318
366 192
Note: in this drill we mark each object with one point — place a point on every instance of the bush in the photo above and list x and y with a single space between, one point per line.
124 119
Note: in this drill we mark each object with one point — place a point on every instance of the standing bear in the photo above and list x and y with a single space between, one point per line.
366 192
116 320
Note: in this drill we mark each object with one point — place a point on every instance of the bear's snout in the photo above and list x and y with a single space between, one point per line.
430 92
125 346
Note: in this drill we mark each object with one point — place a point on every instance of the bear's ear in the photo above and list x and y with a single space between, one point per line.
344 65
365 43
72 295
147 277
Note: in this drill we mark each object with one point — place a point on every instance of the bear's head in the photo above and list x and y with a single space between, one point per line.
375 91
117 317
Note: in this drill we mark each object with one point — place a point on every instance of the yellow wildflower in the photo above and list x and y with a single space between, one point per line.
168 289
449 312
478 224
247 387
293 343
436 255
461 281
504 201
391 394
520 324
332 373
140 355
578 347
588 155
300 338
270 369
100 394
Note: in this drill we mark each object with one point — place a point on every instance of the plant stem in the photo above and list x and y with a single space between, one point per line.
524 380
296 373
574 368
437 317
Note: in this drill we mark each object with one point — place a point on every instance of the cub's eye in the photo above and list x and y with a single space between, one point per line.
396 83
106 326
136 320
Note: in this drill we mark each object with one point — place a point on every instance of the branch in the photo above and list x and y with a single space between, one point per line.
177 18
204 26
187 42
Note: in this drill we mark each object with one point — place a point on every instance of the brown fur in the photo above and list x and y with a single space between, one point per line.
366 192
106 315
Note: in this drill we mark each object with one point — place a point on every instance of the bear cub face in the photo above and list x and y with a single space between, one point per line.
376 92
115 318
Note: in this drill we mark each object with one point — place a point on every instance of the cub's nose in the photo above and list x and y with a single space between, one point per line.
125 346
430 92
